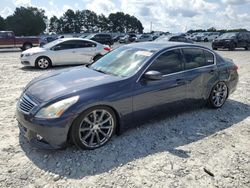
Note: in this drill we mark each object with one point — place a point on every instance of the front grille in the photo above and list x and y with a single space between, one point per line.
25 104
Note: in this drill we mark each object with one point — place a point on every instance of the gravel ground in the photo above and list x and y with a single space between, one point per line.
200 148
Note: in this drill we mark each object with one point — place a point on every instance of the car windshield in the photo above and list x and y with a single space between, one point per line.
227 36
122 62
51 44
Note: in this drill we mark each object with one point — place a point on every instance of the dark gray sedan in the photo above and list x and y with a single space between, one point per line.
89 104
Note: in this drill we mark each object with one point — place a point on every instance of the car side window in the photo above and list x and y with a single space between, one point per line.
168 62
66 45
195 58
85 44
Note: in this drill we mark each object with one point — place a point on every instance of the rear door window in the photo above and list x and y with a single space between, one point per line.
85 44
168 62
195 58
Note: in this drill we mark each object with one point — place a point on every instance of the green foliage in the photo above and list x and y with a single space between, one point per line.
27 21
89 21
212 29
2 23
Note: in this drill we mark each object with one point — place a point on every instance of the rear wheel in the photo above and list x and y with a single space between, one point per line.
218 95
215 48
26 46
43 63
247 47
93 128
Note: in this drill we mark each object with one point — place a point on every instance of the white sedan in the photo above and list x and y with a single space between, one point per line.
65 51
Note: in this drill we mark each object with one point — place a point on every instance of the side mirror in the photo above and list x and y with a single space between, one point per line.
153 75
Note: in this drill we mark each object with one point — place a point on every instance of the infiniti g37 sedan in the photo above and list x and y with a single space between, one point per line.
65 51
89 104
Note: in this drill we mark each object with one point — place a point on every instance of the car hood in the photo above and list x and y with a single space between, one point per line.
59 83
34 50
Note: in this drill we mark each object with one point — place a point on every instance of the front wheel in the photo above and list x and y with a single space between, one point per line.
43 62
93 128
218 95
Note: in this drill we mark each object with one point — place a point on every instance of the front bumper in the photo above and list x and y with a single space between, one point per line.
27 61
44 134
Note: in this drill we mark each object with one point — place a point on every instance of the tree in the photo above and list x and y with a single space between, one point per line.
55 25
89 20
121 22
2 23
27 21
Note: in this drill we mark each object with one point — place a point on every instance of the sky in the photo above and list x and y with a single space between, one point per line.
165 15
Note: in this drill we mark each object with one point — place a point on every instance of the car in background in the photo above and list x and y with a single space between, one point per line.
173 38
117 38
47 39
65 51
232 40
103 38
88 105
210 36
144 38
9 40
128 38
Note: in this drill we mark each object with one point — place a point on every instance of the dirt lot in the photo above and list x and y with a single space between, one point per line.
179 151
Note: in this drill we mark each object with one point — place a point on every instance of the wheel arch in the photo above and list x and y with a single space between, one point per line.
118 118
41 56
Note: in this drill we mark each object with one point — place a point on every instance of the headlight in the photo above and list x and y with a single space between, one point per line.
56 110
30 54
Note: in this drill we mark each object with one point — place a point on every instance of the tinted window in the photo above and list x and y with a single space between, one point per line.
197 58
167 63
67 45
84 44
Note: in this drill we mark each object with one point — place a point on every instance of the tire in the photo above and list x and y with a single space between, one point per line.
27 46
97 57
232 47
215 48
205 40
247 48
43 62
218 95
93 128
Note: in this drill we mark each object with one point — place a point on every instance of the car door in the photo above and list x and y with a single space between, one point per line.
64 53
155 96
84 51
200 73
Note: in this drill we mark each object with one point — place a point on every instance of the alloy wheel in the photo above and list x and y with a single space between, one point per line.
96 128
219 94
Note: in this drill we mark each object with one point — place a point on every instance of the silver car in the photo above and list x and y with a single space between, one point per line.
65 51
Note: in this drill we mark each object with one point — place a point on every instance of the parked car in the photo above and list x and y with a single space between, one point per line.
173 38
128 38
232 40
144 38
210 36
47 39
102 38
65 51
117 38
88 105
9 40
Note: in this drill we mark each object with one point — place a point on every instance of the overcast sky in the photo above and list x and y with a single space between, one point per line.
165 15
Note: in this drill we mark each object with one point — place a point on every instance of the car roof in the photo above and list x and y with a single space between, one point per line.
74 38
157 46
